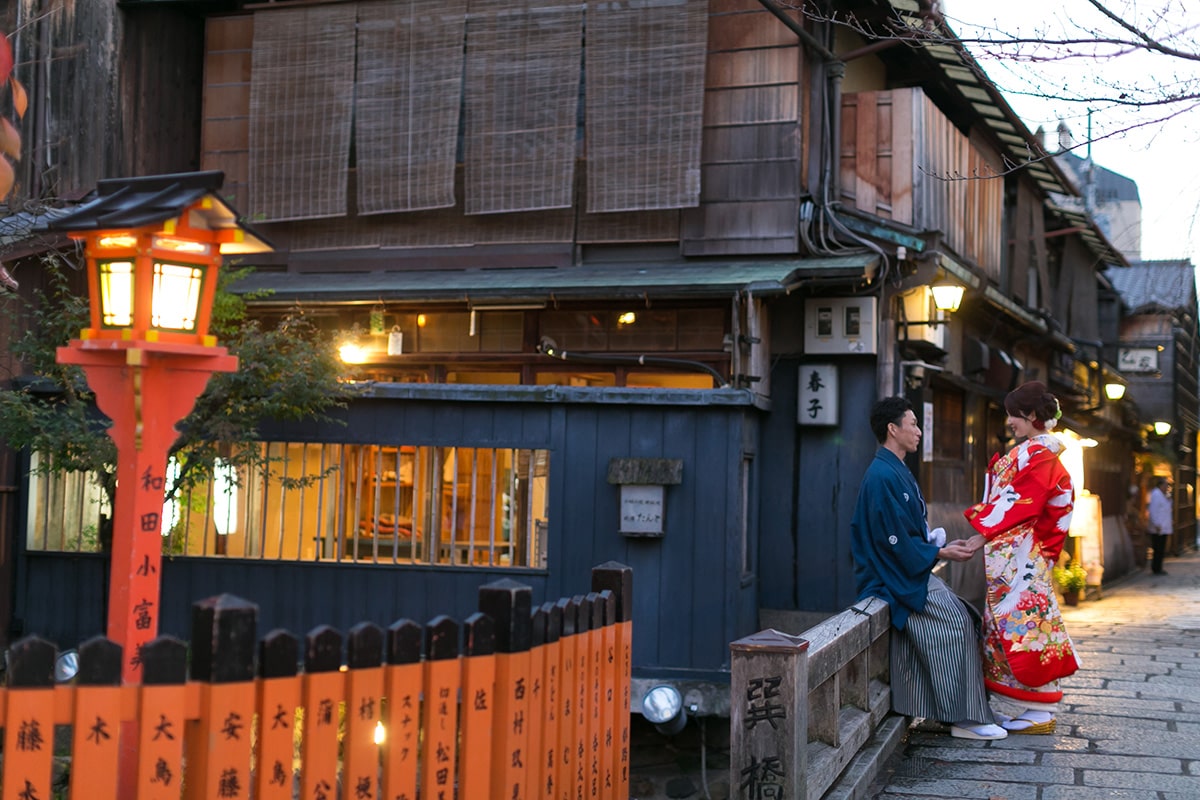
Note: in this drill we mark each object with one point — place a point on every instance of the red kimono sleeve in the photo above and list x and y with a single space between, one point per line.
1040 493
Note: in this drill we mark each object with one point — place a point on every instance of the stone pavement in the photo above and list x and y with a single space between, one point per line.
1129 724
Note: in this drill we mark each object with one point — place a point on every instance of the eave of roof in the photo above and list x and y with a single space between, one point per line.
618 281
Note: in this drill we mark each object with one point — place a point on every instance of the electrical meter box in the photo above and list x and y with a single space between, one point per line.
840 325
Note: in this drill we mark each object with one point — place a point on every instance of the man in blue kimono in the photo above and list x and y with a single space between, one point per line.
935 665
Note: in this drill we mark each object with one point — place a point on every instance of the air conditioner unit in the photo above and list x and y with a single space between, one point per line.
840 325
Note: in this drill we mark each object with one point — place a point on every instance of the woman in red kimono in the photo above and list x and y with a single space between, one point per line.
1024 519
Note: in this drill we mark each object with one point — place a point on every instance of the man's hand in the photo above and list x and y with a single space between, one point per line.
958 550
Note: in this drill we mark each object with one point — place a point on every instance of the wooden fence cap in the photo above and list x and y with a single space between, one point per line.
509 604
404 642
618 579
224 637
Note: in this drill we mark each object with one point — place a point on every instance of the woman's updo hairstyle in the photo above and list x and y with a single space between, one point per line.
1033 400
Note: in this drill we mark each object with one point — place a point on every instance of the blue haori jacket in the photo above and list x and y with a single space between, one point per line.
892 560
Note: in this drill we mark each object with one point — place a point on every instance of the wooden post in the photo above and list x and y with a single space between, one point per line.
478 707
277 699
509 604
321 691
364 696
769 716
439 720
97 722
224 634
29 719
161 718
537 700
403 686
595 713
583 659
609 680
565 769
551 739
618 579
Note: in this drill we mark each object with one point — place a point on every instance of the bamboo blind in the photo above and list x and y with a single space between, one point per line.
521 104
443 227
301 95
645 98
408 91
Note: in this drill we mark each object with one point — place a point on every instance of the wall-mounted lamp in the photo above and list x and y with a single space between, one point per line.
1162 427
1114 391
947 297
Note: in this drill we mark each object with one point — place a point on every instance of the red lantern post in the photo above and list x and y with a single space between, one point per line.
153 247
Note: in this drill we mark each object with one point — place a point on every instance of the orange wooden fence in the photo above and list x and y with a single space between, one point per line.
516 703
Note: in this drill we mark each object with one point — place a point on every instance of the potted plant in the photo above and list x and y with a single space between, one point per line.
1071 580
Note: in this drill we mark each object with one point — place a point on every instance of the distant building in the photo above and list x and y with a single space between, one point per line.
1111 198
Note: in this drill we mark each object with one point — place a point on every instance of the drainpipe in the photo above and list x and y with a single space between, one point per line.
836 71
795 27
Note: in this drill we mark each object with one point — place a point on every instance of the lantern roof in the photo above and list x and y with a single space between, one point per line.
121 203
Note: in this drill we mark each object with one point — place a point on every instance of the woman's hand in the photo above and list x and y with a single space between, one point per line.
976 542
958 550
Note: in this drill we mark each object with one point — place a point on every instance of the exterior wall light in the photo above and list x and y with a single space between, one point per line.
947 296
663 706
1114 391
1162 427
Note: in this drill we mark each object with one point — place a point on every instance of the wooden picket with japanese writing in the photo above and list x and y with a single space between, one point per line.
552 703
224 634
95 747
583 652
609 679
595 673
403 685
364 697
29 720
569 607
535 769
477 718
439 717
161 726
525 711
509 604
277 698
618 579
322 691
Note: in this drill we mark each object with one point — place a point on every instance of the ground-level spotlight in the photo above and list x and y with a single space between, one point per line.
663 706
380 733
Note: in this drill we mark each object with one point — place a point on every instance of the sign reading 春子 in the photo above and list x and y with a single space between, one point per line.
818 404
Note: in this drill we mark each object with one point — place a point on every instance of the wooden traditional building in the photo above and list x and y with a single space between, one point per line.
617 283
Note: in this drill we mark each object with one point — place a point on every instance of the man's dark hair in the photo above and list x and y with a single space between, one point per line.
885 412
1163 483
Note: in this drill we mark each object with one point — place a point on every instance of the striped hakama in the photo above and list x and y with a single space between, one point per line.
935 665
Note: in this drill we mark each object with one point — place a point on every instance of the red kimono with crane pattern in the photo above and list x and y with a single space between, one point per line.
1025 518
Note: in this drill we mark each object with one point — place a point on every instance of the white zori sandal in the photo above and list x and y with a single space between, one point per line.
977 730
1030 721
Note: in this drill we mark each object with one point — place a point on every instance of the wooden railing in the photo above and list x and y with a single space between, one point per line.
534 705
803 708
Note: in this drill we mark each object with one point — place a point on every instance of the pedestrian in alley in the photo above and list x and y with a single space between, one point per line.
1024 518
1160 524
935 666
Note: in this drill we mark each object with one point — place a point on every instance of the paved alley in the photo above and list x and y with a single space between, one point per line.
1129 728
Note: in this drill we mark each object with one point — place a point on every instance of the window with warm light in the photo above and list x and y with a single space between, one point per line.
176 296
116 293
360 504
